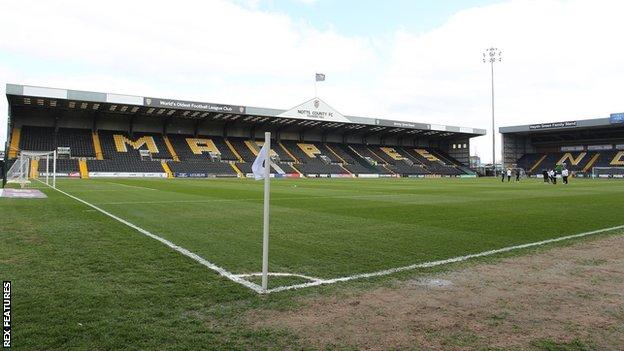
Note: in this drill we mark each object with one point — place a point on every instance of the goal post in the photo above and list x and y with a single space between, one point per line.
607 172
26 167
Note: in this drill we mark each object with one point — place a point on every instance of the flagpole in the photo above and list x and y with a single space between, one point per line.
265 228
315 89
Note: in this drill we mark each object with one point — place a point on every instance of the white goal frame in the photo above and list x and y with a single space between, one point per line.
20 172
595 176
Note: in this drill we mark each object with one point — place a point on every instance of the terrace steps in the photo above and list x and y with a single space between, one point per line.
97 146
15 142
379 159
166 168
84 170
238 156
537 163
288 152
236 169
174 155
336 154
34 168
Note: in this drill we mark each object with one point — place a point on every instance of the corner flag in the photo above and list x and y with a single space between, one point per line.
261 162
320 77
261 169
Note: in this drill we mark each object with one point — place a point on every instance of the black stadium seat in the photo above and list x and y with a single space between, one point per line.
142 152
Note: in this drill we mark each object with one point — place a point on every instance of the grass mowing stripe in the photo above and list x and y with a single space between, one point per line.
183 251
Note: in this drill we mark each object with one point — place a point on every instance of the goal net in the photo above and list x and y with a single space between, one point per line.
608 172
26 167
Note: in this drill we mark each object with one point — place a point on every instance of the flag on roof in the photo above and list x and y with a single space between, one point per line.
320 77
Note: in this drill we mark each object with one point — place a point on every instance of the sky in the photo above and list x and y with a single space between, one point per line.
409 60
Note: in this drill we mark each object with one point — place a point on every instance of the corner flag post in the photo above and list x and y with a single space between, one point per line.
54 170
48 169
265 229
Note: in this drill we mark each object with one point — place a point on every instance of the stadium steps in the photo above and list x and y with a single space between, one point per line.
415 155
388 169
336 154
166 168
238 156
253 147
236 169
444 158
412 158
295 170
346 170
591 162
97 146
34 168
379 158
537 163
174 155
451 161
277 168
359 158
288 153
15 142
84 170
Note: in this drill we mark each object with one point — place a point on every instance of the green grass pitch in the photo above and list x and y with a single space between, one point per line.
78 273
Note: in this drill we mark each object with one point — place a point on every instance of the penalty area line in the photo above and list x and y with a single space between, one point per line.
221 271
440 262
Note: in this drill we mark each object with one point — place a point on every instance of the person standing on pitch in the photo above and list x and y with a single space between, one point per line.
564 174
553 176
517 174
508 175
546 177
502 175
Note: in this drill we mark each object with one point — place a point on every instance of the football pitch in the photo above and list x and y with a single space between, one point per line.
331 229
84 279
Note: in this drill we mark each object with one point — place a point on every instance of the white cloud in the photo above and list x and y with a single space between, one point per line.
562 59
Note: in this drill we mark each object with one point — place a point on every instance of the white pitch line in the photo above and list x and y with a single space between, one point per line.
132 186
233 277
438 263
278 274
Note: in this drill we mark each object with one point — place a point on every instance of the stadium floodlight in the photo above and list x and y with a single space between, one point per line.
491 56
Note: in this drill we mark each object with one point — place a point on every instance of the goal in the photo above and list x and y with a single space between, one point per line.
608 172
26 167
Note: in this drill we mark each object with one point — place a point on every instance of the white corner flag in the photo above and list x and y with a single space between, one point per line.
320 77
259 164
261 169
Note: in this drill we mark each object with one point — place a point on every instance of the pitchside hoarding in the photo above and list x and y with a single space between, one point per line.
193 105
